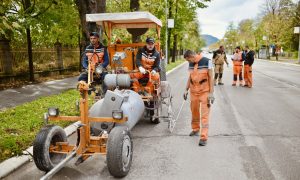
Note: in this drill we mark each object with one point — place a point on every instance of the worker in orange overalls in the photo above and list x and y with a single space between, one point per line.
201 86
237 60
147 60
249 60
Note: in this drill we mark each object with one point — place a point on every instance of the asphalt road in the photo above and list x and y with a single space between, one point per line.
254 134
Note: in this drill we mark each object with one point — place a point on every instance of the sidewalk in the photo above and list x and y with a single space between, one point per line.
13 97
282 60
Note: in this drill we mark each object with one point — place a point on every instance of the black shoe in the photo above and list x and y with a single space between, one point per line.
155 120
194 133
202 142
233 84
220 83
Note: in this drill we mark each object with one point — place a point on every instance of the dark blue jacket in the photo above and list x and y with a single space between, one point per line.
90 47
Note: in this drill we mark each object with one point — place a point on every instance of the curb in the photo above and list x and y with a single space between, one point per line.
285 63
11 164
177 67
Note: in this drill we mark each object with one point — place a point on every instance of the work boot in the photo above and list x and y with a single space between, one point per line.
233 84
155 120
220 82
202 142
194 133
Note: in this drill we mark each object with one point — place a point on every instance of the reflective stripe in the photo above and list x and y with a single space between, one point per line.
205 126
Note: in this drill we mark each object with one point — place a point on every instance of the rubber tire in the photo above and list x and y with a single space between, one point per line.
114 151
163 72
49 134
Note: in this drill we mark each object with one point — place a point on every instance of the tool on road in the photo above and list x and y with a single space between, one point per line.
175 120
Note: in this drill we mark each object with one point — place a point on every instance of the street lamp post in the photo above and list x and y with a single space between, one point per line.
166 41
297 31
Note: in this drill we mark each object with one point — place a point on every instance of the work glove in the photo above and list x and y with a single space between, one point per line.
185 95
211 98
153 72
142 70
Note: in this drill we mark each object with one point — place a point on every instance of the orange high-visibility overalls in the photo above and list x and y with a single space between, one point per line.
248 75
199 89
147 63
237 68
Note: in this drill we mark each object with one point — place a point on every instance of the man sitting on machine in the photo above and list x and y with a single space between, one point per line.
147 60
97 53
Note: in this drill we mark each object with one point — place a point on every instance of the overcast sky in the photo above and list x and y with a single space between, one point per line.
215 19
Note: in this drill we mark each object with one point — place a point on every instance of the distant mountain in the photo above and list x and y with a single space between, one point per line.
209 39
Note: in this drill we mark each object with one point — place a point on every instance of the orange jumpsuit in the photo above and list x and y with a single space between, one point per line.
199 89
149 61
237 68
248 75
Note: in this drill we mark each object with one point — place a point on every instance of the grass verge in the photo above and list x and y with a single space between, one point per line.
19 125
172 65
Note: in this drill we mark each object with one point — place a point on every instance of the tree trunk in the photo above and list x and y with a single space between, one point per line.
175 36
88 7
136 33
29 45
134 5
29 49
174 48
7 56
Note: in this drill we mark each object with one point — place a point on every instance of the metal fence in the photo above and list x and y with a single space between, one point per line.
43 59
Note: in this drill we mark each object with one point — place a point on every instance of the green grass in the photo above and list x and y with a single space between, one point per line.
175 64
19 125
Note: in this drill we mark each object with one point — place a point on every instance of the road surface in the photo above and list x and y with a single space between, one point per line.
254 134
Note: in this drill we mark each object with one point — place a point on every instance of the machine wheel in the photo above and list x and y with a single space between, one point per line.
119 152
49 135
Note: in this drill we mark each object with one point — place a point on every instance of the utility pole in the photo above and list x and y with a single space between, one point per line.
166 46
297 31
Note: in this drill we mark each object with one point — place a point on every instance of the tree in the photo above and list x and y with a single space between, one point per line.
89 7
24 14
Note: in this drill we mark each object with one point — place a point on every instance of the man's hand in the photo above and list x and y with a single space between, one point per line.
185 95
211 98
153 72
142 70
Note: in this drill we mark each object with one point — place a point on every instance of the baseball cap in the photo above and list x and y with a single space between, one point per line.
150 40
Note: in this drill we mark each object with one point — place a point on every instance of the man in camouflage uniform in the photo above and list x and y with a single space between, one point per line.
219 58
